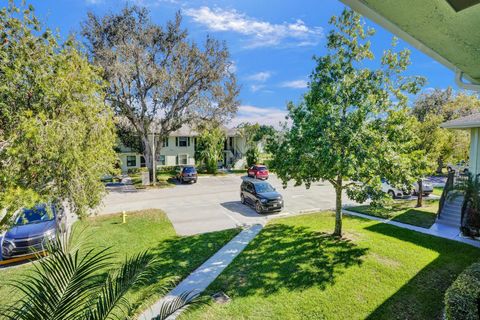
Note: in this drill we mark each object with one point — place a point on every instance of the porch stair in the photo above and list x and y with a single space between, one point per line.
451 212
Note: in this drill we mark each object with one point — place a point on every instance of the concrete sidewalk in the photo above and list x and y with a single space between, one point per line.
203 276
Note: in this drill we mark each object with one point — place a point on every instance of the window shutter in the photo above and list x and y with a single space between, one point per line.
176 141
188 142
176 160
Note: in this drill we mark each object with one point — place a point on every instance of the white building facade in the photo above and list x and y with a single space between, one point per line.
179 149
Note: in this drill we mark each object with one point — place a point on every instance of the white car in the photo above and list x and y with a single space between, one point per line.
427 188
460 167
393 191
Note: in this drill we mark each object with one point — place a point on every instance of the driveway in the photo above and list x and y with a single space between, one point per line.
213 203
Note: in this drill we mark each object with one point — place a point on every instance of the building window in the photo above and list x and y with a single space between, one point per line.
183 141
131 161
182 159
161 160
165 142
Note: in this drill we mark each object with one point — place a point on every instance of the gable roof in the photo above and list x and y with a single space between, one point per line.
432 26
470 121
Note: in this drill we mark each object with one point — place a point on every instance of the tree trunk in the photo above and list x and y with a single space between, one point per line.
338 208
149 156
420 193
439 165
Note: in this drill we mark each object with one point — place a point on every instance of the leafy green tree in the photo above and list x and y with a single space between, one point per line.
254 134
435 107
56 133
209 148
159 79
252 155
351 127
67 284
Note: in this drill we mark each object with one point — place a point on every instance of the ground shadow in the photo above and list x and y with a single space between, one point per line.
422 296
288 257
177 258
244 209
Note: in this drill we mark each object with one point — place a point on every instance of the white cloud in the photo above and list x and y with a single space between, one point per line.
259 33
253 114
295 84
232 67
260 76
256 87
94 1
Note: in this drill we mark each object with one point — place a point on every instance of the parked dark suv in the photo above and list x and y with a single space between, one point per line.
261 195
30 231
187 174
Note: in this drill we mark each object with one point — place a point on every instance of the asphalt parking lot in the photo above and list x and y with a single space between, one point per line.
214 203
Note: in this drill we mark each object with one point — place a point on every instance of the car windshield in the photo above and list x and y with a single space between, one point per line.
263 187
36 215
189 170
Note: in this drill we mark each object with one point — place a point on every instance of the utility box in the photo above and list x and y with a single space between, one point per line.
145 178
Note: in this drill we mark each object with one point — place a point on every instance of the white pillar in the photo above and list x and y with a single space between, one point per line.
474 166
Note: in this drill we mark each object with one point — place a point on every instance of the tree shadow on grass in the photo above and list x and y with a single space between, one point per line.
288 257
422 296
177 258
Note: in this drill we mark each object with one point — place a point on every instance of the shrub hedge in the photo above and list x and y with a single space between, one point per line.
463 297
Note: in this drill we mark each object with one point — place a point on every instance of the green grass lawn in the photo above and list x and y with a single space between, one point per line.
295 270
148 229
404 211
437 191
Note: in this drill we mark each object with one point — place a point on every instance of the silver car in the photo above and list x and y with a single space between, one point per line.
427 188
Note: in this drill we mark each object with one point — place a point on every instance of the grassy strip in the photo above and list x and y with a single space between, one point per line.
404 211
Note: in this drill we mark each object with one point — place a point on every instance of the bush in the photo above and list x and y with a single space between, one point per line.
137 170
462 298
133 170
166 169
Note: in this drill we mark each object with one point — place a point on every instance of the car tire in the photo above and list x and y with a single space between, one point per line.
195 181
242 198
391 194
258 207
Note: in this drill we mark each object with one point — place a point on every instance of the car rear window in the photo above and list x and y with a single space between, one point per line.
262 168
189 170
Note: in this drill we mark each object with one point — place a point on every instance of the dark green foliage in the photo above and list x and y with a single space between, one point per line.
253 155
462 299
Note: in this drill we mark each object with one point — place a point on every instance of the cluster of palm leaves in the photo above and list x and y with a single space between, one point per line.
74 282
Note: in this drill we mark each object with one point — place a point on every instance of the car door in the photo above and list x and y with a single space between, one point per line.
250 193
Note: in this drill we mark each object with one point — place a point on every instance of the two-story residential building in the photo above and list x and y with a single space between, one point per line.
179 149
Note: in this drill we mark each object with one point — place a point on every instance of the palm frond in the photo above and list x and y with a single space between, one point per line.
135 270
173 305
60 284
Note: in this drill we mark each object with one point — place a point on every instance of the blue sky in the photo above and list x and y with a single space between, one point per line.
271 42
